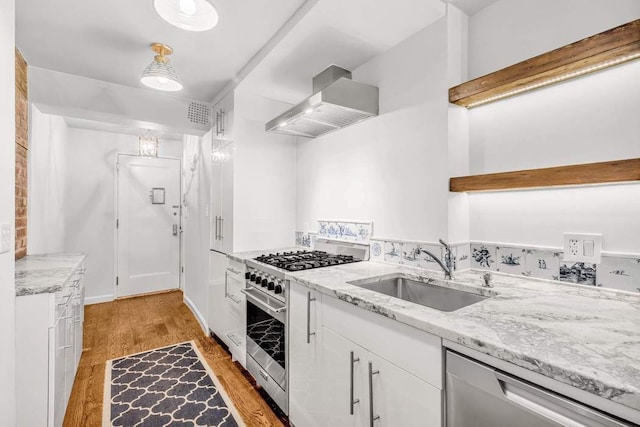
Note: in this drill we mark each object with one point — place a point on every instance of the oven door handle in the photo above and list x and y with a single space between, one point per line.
257 301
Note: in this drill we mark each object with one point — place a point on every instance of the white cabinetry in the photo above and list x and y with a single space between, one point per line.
222 197
368 371
305 342
223 113
227 305
48 348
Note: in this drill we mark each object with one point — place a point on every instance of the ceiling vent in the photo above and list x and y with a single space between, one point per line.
199 113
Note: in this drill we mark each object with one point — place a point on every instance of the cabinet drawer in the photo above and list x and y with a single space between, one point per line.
236 268
416 351
235 299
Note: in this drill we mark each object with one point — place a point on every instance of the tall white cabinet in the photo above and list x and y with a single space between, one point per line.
252 203
48 349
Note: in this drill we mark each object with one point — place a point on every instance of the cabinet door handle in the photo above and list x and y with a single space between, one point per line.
372 417
226 284
66 347
352 401
309 301
221 228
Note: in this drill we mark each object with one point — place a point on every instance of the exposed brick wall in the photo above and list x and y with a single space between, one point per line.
22 145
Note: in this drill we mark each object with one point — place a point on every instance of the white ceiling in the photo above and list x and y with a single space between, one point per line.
128 129
345 33
471 7
109 39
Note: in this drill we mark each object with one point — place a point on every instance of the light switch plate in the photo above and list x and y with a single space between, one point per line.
582 247
5 238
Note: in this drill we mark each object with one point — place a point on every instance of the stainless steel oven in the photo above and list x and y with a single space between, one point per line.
267 343
267 300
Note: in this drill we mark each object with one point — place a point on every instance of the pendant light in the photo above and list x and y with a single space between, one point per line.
190 15
160 74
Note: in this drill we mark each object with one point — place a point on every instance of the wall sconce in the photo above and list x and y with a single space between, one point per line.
148 146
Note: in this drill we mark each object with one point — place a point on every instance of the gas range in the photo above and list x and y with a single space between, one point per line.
267 303
266 272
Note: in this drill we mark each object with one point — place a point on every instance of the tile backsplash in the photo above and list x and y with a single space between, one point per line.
620 272
616 272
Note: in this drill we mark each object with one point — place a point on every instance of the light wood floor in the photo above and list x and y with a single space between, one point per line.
123 327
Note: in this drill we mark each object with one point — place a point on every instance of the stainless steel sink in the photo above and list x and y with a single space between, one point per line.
430 295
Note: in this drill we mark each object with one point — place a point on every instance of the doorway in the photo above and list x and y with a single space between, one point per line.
148 227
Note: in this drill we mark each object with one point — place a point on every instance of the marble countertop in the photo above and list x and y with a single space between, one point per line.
586 337
46 273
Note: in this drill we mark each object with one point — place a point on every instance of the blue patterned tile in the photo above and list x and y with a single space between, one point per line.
483 256
393 252
582 273
345 230
376 250
411 254
463 257
426 261
619 273
510 260
542 264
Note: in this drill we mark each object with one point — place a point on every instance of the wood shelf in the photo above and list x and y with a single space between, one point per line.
606 49
589 173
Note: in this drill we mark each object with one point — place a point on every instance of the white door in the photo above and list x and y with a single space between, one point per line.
148 225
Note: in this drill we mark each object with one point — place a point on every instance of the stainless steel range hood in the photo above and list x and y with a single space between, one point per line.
337 102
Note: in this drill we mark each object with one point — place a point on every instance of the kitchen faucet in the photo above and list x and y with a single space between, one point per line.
447 264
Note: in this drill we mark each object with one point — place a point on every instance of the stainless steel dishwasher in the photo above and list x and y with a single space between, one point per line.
479 395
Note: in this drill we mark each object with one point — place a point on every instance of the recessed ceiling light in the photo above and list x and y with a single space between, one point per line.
160 74
190 15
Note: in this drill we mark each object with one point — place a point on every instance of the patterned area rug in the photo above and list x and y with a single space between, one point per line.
170 386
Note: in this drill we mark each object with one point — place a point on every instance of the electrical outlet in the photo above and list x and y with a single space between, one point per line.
5 238
574 245
582 247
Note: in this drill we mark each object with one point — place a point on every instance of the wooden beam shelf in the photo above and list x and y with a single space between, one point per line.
589 173
606 49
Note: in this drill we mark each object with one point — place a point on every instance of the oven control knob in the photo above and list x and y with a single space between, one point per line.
252 277
258 280
278 289
264 282
271 286
247 275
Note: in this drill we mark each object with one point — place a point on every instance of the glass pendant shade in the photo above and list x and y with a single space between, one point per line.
190 15
148 146
160 74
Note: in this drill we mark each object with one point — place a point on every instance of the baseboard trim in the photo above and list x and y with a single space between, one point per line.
201 319
98 299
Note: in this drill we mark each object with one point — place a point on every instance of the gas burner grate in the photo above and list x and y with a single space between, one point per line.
305 260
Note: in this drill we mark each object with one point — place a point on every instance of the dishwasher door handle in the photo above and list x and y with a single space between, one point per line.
550 405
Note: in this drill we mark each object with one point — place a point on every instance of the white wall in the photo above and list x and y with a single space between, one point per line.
390 169
197 221
7 211
594 118
47 164
264 176
87 183
510 31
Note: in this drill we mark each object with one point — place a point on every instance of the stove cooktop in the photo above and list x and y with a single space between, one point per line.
305 260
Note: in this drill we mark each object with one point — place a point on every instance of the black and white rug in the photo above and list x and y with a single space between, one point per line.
170 386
